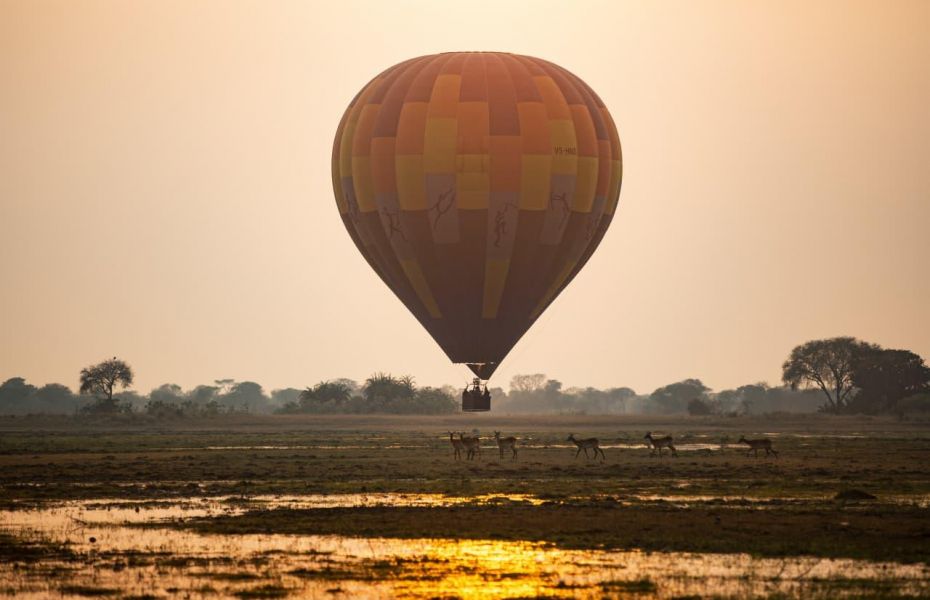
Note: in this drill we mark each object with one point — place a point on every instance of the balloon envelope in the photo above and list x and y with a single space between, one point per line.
476 185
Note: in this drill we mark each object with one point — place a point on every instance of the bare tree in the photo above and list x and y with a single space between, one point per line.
828 365
527 383
101 380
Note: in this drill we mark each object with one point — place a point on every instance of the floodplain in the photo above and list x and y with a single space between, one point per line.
342 506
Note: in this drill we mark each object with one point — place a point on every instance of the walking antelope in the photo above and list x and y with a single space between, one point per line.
585 444
472 444
661 442
756 445
507 442
457 446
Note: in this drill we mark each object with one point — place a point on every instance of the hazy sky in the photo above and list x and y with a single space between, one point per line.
165 191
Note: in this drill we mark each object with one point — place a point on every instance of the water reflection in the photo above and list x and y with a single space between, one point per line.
110 555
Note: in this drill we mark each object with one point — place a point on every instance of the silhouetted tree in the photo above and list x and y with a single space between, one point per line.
591 400
552 391
224 386
885 377
246 396
383 392
527 383
434 401
618 398
204 394
751 396
726 401
699 407
828 365
168 393
54 398
101 381
674 398
537 394
162 409
918 403
285 397
14 394
350 385
785 399
326 396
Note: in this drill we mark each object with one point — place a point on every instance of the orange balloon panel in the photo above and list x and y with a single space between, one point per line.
477 185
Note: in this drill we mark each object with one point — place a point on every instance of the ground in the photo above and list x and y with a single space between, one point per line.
711 498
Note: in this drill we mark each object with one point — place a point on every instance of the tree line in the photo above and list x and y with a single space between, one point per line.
104 391
536 393
840 375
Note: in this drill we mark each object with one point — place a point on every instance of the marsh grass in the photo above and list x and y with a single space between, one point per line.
888 533
643 585
29 550
263 591
88 590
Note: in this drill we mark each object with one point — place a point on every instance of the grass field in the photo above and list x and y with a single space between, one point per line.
394 478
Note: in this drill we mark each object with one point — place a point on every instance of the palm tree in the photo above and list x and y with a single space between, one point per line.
384 391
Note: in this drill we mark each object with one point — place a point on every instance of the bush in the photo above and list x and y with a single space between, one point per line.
698 407
382 393
167 409
918 403
106 406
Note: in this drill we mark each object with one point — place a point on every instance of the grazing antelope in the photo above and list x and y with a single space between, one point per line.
585 444
472 444
659 443
507 442
756 445
457 446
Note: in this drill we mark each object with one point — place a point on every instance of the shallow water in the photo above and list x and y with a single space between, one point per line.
680 446
162 561
690 443
232 504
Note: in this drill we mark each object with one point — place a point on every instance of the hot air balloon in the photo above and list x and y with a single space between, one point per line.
476 185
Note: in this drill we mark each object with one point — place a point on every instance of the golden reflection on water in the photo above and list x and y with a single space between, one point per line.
485 569
172 562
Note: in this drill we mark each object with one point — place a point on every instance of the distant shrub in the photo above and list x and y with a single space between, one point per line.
918 403
698 407
382 393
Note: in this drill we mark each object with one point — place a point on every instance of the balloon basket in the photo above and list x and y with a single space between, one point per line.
476 403
473 400
479 404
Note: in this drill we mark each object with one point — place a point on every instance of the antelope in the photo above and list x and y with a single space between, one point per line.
507 442
659 443
756 445
457 446
472 444
585 444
